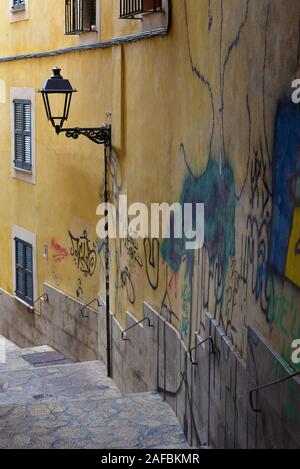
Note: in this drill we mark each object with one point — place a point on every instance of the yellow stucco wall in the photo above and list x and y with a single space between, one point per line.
41 27
193 116
45 207
39 32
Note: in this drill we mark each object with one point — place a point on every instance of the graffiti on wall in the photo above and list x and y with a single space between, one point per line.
284 255
252 199
251 237
79 288
217 193
60 252
151 253
83 252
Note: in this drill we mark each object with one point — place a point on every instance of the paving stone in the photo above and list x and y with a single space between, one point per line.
65 381
76 406
142 421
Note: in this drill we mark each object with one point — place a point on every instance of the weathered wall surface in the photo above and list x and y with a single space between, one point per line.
61 207
221 129
217 126
40 27
58 323
211 393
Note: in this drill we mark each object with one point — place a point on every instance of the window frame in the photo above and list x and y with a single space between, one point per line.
23 94
22 164
24 270
28 238
75 26
18 12
18 6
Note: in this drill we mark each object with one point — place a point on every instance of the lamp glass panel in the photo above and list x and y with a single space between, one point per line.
57 105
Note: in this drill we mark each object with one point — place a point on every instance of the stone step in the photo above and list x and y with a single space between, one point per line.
8 345
69 381
75 405
135 421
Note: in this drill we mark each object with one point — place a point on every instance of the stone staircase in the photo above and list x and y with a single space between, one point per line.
75 405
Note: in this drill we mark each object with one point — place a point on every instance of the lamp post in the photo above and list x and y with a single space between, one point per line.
57 94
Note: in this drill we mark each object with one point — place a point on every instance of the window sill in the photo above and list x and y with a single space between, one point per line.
16 9
79 33
19 13
25 171
22 302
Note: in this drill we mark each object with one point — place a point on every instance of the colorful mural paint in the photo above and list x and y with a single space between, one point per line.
285 234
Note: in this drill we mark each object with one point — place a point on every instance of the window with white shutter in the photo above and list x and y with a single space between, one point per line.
24 271
22 134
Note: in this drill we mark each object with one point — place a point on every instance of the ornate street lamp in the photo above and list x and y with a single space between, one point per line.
57 95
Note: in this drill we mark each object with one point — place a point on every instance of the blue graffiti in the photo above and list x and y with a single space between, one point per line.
217 191
286 170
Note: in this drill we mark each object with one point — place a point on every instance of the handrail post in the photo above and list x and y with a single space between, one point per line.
87 305
213 351
123 335
44 297
266 386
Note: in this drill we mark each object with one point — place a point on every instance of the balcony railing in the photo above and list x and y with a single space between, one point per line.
80 16
132 8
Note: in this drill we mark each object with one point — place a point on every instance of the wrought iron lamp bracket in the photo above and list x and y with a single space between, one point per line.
100 135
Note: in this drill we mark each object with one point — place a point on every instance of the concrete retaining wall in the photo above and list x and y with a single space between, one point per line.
59 325
211 399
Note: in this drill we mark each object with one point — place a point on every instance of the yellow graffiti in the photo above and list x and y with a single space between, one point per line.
293 258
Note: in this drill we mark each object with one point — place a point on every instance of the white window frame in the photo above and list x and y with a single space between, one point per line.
30 238
28 94
2 91
18 14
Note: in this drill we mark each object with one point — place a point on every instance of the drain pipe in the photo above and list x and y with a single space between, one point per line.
107 262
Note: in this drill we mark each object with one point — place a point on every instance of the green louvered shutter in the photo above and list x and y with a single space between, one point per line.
24 271
20 281
23 145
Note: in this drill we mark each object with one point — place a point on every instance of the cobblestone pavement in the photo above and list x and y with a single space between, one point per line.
140 421
77 406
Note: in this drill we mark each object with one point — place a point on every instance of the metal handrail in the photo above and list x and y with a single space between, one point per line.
44 297
213 350
171 313
86 306
265 386
134 325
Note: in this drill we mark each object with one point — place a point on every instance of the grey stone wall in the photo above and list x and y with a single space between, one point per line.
211 399
59 325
